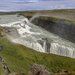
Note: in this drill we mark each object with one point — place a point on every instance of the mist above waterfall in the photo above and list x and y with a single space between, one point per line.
37 38
35 16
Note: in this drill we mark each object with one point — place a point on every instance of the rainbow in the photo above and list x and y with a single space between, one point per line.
12 39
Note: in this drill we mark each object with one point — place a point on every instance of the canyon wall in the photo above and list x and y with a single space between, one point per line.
62 27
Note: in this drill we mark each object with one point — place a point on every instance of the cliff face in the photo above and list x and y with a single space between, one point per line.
61 27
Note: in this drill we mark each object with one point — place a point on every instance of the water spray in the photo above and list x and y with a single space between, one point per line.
35 16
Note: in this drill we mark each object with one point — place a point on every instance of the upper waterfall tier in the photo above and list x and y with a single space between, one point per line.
37 38
10 18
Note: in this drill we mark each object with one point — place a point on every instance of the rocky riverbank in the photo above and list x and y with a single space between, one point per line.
11 31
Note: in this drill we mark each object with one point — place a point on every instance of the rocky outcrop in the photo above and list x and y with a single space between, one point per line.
46 44
10 31
4 65
38 70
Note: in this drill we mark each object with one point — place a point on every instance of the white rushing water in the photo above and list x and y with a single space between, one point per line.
37 38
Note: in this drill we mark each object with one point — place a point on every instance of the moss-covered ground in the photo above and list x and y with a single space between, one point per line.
58 20
2 71
0 31
20 58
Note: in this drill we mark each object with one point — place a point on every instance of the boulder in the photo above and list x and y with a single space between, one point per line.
46 44
45 72
38 70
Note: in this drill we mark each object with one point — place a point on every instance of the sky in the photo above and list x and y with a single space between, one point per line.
23 5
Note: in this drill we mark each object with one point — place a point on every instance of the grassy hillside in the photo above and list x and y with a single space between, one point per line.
58 20
2 71
20 58
0 31
60 13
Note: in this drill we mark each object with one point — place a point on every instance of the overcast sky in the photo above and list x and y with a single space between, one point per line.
21 5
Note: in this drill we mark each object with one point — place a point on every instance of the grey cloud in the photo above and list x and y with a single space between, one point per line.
45 5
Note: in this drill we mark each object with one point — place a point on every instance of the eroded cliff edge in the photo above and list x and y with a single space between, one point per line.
62 27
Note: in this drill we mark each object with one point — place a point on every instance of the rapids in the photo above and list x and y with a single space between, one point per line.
36 38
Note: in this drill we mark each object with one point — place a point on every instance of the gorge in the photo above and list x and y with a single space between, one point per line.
20 30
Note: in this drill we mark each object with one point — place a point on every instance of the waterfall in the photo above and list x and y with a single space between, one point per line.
62 50
37 38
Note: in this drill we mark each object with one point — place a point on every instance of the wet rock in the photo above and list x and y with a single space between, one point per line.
41 42
10 31
46 44
38 70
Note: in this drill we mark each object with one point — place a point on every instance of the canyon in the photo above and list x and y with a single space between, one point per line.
30 34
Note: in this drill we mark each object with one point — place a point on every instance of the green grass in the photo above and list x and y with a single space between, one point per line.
20 58
71 73
58 20
59 13
0 31
2 71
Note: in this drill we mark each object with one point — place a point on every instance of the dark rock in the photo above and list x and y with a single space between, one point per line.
63 71
10 31
40 42
46 44
38 70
